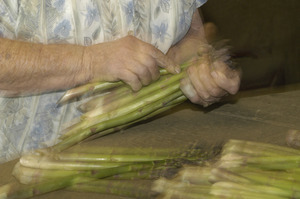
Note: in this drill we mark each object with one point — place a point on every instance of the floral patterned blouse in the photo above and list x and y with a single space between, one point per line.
28 123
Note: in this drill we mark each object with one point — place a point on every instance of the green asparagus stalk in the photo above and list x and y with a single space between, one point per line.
257 149
124 188
260 178
118 121
90 87
27 175
106 100
289 175
42 161
274 163
147 174
269 162
126 158
257 188
228 190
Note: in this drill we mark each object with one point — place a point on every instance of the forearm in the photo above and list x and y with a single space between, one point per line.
190 45
32 68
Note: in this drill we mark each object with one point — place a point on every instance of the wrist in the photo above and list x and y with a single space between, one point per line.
86 64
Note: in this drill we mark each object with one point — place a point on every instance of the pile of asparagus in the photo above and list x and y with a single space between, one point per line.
245 169
119 171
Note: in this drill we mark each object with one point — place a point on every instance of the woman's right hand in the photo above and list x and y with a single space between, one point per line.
127 59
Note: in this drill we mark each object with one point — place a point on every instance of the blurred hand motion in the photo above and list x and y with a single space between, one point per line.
210 80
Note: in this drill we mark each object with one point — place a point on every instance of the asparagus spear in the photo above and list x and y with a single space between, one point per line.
257 149
256 188
42 161
104 99
91 87
125 188
219 190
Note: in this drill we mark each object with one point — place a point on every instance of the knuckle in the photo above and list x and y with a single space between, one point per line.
150 61
205 96
142 71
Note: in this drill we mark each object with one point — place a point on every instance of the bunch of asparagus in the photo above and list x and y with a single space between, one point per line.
98 170
245 169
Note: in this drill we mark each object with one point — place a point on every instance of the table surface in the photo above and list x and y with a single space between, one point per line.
264 115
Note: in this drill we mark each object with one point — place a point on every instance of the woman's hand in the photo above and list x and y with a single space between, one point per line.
208 82
128 59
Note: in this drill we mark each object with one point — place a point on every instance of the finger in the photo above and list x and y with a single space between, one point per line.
190 92
142 72
131 79
150 63
202 91
163 60
227 78
204 75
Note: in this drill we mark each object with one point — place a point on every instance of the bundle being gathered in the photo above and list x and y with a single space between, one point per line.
114 106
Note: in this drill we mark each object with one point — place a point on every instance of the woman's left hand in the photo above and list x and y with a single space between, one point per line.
207 82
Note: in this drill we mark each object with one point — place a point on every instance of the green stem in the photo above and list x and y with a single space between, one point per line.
257 149
91 87
45 162
124 188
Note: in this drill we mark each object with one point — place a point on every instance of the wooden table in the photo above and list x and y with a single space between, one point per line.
264 115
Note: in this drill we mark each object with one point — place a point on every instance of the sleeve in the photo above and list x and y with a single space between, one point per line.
199 3
8 18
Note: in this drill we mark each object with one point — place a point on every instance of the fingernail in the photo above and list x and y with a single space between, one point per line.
177 69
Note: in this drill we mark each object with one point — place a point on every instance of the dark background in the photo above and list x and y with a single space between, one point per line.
264 35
